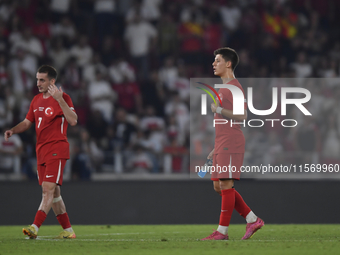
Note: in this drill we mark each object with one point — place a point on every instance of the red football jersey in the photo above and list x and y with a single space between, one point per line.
228 139
50 126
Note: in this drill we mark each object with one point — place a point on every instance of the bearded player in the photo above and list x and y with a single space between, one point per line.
229 150
51 111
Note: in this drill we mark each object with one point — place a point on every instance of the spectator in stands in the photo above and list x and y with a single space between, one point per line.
4 74
89 148
102 96
147 9
178 153
129 95
301 67
30 44
26 11
176 107
190 34
42 30
141 37
121 71
167 36
96 125
181 84
65 29
71 74
7 102
58 53
308 140
168 73
10 152
150 121
82 51
108 50
154 93
90 69
331 141
139 162
60 8
22 68
7 9
212 36
154 140
125 130
81 164
3 38
231 16
105 17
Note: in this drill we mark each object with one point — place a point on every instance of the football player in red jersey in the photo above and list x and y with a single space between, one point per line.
229 150
51 111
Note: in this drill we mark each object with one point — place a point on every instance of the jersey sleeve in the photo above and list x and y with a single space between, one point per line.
30 114
68 100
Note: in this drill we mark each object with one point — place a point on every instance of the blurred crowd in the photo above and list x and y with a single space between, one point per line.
127 65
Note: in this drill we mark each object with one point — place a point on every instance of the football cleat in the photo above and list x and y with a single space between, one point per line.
66 235
30 232
251 228
216 236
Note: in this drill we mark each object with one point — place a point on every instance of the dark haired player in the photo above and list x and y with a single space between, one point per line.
51 110
229 150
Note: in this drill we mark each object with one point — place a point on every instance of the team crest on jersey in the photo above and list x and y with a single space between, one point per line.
49 111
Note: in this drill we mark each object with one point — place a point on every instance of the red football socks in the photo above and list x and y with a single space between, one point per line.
63 220
40 217
228 204
240 206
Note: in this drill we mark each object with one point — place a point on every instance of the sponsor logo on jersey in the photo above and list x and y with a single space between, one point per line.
49 111
41 109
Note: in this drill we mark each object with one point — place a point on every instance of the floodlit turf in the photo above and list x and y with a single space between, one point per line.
173 239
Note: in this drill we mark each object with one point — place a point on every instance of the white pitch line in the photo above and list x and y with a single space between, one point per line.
179 240
118 234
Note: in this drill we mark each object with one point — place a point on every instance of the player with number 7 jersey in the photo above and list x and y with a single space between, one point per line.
51 111
50 127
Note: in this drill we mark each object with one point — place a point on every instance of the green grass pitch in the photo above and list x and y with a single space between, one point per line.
173 239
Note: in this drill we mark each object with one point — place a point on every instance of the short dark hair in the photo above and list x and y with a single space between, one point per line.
50 70
228 54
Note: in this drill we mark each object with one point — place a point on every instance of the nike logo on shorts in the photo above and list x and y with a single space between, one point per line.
49 176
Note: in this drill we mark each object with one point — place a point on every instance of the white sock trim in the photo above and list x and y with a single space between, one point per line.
35 226
69 229
251 217
57 199
222 229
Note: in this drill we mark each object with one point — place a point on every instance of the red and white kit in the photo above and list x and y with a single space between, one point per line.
52 147
229 140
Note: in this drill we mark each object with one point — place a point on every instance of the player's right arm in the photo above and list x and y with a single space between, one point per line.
21 127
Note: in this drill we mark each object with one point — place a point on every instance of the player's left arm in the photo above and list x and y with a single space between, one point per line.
57 94
228 113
